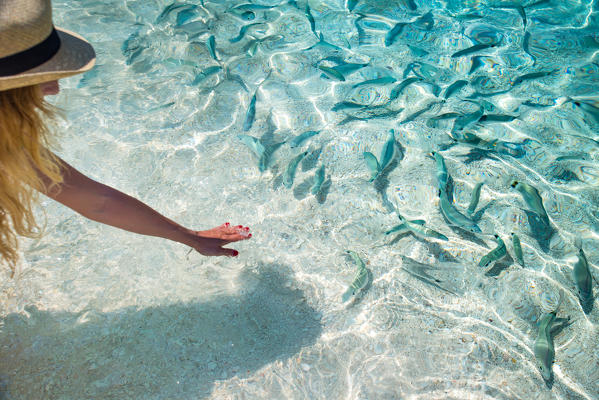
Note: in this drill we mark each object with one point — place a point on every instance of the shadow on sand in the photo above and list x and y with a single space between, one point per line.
169 351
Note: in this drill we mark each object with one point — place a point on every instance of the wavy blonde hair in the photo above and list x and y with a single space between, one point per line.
24 154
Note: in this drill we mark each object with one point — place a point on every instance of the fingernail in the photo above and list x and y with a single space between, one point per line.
250 235
239 226
227 224
247 228
235 253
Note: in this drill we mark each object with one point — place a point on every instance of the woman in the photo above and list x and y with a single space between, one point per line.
33 56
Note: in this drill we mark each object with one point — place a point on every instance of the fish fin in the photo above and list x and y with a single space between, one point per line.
418 221
372 163
396 228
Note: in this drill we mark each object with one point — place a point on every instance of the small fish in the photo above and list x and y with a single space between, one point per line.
251 7
475 197
299 139
310 19
498 252
323 43
254 144
385 80
589 108
205 74
453 216
332 73
242 32
417 51
477 62
518 249
318 180
348 68
351 4
416 114
185 15
387 155
532 197
464 120
393 33
168 10
360 280
543 348
454 88
425 22
289 174
532 75
346 105
417 228
582 278
397 90
250 114
472 49
497 118
212 47
442 174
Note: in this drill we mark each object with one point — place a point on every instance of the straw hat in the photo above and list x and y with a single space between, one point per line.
33 51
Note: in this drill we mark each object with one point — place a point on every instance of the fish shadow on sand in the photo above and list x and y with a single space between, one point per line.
432 247
500 266
560 325
381 183
466 235
309 162
540 229
176 350
302 190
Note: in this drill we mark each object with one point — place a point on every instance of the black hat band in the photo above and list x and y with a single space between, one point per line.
32 57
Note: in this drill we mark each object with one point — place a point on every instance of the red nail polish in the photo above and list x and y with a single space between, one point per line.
239 226
227 224
247 228
250 235
235 253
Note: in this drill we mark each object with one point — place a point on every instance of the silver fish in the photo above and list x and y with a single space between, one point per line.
532 197
582 278
474 199
543 348
289 174
498 252
454 88
417 228
442 174
250 114
518 249
360 280
472 49
385 80
394 32
453 216
212 47
299 139
398 89
332 73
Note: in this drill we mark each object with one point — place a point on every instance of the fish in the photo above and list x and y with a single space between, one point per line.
416 114
417 228
589 108
254 145
454 88
442 174
360 279
168 10
289 174
250 114
205 74
385 80
464 120
453 216
398 89
212 47
417 51
345 67
242 32
518 249
332 73
323 43
474 199
497 118
425 22
388 153
393 33
318 180
540 229
498 252
236 78
185 15
532 75
351 4
299 139
543 347
346 105
477 62
582 278
473 49
531 197
252 7
526 47
310 18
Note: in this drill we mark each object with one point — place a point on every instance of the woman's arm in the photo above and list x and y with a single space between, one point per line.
104 204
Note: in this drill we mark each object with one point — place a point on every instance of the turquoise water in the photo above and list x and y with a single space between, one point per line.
94 312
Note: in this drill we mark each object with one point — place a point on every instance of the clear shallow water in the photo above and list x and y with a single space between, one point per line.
99 313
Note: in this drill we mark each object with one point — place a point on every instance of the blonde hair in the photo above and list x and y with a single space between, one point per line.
24 154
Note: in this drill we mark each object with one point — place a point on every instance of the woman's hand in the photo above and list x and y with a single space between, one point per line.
210 242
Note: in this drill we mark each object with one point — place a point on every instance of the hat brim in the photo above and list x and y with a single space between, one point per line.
76 55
